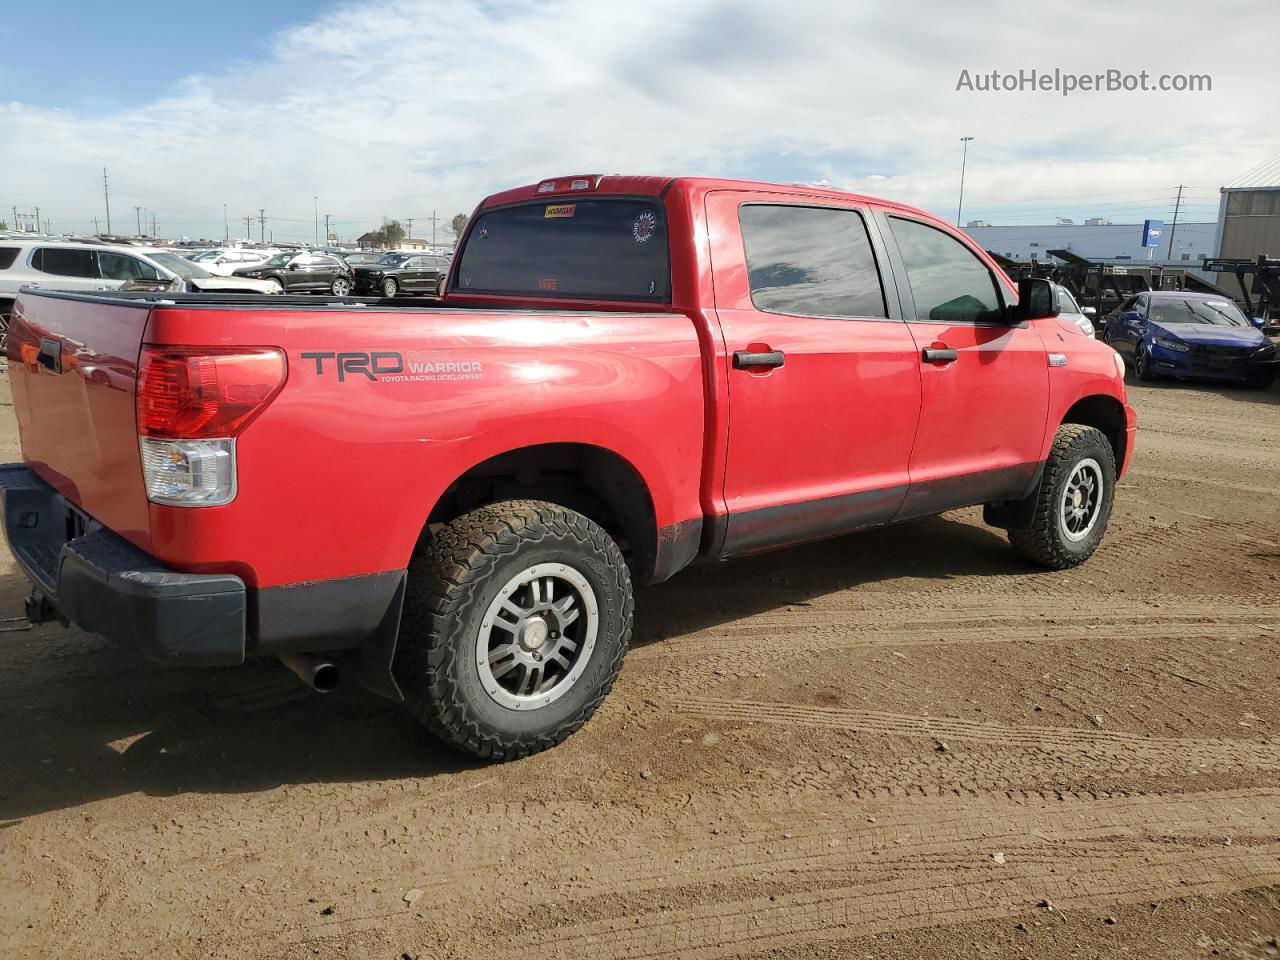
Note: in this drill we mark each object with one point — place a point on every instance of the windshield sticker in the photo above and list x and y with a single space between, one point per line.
644 226
559 211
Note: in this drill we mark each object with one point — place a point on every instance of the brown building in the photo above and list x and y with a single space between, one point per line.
1249 217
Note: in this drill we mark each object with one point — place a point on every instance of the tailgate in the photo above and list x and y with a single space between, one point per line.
73 368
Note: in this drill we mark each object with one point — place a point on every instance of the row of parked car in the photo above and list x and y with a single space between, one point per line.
88 266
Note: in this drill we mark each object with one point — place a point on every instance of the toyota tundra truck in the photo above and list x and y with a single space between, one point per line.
451 504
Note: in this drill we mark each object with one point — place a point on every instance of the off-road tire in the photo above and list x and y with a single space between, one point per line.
1043 541
454 576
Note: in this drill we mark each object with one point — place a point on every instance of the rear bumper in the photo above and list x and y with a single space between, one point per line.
103 584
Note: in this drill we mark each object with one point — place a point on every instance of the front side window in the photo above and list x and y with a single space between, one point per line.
117 266
608 249
810 261
948 283
62 262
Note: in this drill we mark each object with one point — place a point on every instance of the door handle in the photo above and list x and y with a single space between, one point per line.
940 355
743 359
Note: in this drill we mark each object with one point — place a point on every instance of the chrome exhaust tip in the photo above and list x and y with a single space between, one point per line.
316 672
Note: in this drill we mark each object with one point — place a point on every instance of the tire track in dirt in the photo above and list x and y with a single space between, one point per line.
950 841
927 897
1132 750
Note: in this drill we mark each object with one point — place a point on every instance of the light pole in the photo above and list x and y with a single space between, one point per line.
315 201
963 157
226 226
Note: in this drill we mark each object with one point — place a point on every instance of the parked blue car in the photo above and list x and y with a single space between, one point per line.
1170 333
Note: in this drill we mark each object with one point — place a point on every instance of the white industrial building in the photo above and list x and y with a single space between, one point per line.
1104 242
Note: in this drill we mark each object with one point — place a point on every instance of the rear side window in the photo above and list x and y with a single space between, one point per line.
948 283
63 262
7 256
810 261
597 249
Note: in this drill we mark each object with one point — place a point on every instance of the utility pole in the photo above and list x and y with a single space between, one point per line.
106 197
1174 229
963 157
262 224
433 228
327 234
137 212
248 228
37 219
315 203
226 226
95 226
153 226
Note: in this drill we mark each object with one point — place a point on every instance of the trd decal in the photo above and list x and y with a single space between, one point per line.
389 366
371 365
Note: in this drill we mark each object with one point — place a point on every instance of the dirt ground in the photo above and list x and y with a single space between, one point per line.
901 744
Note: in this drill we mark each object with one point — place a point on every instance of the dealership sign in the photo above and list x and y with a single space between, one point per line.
1152 231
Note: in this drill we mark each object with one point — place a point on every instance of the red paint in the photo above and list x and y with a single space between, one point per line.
337 477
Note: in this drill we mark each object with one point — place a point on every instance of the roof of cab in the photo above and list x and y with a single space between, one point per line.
620 185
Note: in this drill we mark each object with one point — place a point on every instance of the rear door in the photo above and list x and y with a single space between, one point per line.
984 383
415 274
824 389
66 268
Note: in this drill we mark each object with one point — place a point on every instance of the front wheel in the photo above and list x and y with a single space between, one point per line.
1142 364
274 286
516 620
340 287
1262 381
389 287
1072 505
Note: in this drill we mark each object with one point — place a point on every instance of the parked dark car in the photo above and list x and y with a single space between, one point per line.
1167 333
304 273
398 273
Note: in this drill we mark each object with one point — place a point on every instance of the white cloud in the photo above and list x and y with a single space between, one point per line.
399 108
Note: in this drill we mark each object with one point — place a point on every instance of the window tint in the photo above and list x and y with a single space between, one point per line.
7 256
63 262
117 266
948 283
608 249
810 261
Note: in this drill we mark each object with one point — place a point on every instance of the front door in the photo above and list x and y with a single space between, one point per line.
984 382
824 386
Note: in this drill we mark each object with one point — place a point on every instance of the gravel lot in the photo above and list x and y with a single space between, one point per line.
900 744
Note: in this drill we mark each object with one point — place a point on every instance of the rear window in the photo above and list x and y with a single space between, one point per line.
64 262
7 256
595 249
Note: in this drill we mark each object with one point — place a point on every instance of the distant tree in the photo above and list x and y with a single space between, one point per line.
458 224
3 225
389 235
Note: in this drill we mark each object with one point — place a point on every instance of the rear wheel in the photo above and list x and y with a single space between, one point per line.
340 287
516 621
1072 505
390 287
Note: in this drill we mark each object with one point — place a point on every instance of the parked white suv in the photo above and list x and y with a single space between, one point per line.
55 265
223 261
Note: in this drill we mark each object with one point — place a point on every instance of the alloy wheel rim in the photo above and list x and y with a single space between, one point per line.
1081 500
536 637
389 288
341 288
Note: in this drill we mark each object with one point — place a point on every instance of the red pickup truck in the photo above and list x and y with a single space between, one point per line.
627 375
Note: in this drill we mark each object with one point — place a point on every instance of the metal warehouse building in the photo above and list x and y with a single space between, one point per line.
1249 213
1109 242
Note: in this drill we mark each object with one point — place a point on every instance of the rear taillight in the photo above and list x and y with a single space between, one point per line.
192 402
196 392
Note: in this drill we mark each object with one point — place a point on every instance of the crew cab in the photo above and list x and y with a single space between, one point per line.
453 503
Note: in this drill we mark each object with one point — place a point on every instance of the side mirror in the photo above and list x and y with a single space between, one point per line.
1132 315
1089 311
1037 297
293 266
1258 322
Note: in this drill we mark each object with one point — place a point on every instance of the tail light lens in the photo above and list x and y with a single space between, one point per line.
191 393
192 401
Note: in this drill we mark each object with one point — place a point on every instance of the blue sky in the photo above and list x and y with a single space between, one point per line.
402 108
108 55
